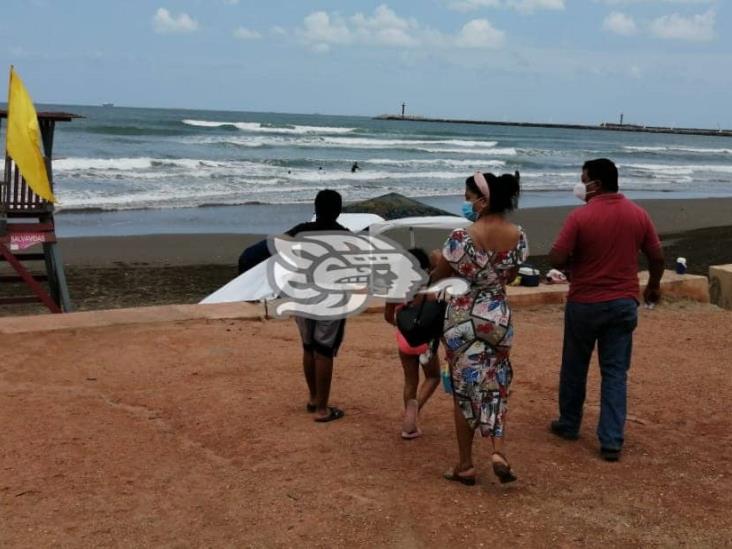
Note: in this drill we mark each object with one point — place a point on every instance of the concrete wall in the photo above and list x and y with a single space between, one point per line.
720 285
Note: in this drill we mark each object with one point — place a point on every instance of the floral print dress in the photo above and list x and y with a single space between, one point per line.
478 330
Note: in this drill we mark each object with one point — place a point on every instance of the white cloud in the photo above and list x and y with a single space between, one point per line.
321 48
319 30
384 28
472 5
243 33
523 6
695 28
626 2
619 23
479 33
278 31
530 6
164 22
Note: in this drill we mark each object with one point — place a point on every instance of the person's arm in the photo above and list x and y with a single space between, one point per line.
564 245
653 251
558 259
442 270
293 232
389 310
253 256
441 267
656 264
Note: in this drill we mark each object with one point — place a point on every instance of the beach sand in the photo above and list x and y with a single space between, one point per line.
195 434
126 271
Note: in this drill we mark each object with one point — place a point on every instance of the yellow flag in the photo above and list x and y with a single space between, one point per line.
24 138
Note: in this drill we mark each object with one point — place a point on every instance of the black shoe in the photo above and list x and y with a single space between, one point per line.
609 454
557 428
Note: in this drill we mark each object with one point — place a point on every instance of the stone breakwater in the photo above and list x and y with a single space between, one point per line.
605 126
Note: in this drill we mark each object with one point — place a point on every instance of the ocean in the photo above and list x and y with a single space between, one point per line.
166 167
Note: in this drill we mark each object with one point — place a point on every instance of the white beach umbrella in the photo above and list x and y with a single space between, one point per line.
445 222
254 285
357 222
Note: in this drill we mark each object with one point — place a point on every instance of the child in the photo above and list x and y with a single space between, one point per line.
415 396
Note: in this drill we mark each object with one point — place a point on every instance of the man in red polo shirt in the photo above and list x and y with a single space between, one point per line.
599 245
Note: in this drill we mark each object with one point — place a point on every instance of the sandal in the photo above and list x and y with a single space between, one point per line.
457 477
412 435
410 429
503 470
333 414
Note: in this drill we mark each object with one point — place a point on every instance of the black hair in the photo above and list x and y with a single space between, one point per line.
421 256
604 171
328 204
504 189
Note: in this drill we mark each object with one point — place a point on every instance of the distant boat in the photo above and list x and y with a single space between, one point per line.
107 104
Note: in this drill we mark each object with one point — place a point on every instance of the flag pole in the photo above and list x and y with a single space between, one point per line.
3 216
10 79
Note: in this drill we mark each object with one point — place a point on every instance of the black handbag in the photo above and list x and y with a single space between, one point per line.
421 322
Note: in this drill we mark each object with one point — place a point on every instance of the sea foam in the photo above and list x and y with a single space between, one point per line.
266 128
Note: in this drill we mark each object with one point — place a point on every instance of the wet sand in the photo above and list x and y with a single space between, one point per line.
127 271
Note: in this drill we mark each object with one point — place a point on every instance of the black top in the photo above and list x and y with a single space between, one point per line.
316 225
256 253
253 256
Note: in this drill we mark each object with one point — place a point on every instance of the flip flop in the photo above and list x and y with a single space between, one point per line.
453 476
503 470
333 414
409 425
412 435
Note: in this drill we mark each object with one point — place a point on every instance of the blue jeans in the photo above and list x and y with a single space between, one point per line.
611 325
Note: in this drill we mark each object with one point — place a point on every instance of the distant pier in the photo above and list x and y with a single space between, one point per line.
606 126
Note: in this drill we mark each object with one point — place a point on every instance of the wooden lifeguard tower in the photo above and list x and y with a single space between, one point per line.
26 220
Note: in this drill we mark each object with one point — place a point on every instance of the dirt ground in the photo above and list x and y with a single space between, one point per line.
195 434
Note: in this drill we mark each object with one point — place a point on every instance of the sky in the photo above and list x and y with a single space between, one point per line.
663 62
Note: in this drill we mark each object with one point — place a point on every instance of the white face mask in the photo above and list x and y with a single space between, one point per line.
580 191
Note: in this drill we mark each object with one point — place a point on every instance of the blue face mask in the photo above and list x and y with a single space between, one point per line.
468 211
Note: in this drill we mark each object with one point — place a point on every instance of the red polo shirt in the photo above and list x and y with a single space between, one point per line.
603 238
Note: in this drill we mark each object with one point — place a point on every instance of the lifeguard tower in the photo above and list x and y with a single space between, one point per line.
26 221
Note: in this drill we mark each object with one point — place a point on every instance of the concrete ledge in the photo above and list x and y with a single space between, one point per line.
692 287
137 315
720 285
544 294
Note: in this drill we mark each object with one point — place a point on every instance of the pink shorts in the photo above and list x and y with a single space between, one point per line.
407 349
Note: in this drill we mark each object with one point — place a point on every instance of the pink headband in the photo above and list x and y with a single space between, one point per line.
482 184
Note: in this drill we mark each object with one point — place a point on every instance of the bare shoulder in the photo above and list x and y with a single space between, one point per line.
496 236
510 231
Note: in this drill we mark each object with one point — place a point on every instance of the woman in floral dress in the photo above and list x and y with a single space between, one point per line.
478 329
